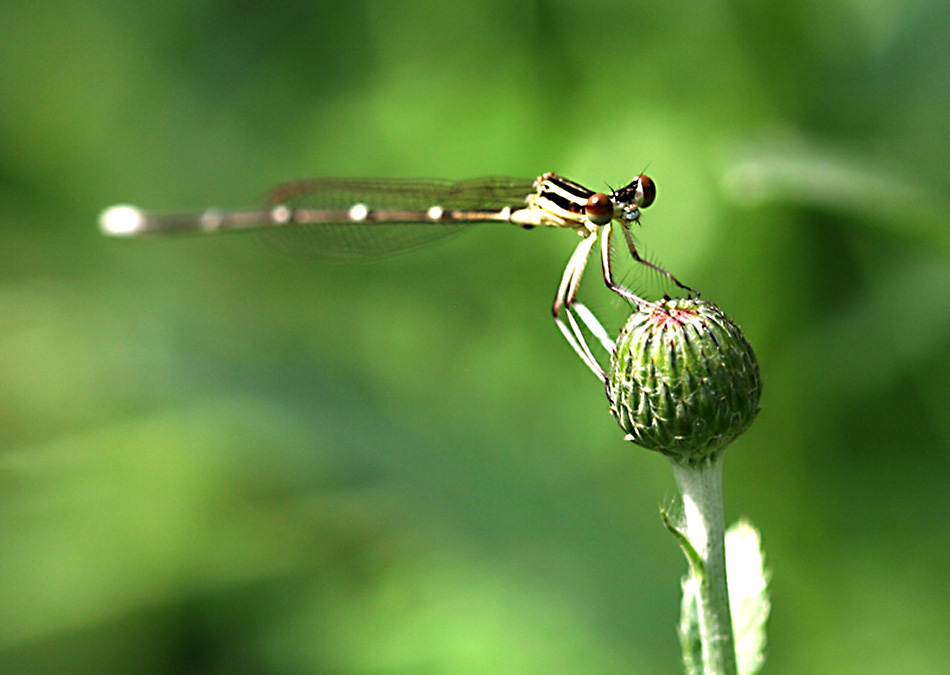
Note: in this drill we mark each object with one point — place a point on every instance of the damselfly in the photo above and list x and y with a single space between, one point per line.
353 218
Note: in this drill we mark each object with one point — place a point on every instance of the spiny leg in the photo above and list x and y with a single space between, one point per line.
594 326
598 331
606 262
565 299
631 245
605 258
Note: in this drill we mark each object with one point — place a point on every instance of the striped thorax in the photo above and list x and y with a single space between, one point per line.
559 202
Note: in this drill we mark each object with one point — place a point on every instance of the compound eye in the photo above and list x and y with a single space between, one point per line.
646 191
599 209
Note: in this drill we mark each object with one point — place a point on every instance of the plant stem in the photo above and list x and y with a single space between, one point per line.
701 486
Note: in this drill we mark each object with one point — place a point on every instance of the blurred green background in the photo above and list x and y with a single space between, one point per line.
218 459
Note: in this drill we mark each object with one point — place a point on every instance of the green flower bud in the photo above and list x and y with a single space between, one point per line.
683 380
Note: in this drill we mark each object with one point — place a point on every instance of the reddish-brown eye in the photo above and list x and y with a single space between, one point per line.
646 191
599 209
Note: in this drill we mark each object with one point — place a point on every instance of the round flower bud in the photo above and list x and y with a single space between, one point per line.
683 380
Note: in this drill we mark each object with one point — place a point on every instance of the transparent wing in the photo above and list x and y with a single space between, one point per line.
401 206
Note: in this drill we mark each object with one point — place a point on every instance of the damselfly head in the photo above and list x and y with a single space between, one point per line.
640 192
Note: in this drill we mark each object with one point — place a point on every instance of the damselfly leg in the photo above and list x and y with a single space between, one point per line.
623 213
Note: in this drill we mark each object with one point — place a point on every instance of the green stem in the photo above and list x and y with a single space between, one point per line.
701 486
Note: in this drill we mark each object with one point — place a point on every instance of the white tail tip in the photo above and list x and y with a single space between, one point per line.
122 220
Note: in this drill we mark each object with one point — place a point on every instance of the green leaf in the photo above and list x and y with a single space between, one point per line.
689 633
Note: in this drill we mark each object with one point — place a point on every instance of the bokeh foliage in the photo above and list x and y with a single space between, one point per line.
218 459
